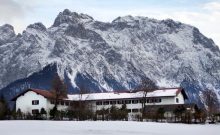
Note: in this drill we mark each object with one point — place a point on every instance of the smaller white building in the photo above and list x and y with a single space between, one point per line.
32 100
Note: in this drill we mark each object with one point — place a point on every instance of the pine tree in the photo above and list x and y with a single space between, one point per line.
43 112
160 113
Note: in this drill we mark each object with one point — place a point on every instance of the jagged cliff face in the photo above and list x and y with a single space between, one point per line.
111 56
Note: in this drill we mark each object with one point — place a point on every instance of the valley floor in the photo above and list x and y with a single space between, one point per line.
103 128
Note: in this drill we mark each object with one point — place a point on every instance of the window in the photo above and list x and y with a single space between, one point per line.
112 102
67 103
52 102
155 100
119 102
134 101
35 111
99 103
129 110
106 102
127 101
177 100
35 102
134 110
151 100
147 100
159 100
61 102
123 101
141 100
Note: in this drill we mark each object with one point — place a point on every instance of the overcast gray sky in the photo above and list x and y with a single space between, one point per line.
203 14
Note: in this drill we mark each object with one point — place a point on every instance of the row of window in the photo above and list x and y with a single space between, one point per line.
66 103
36 111
156 100
134 110
113 102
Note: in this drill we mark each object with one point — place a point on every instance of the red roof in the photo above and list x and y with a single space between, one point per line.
44 93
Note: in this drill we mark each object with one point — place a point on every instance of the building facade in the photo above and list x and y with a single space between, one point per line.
32 100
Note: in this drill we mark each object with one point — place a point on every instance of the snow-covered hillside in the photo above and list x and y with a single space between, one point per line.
109 56
103 128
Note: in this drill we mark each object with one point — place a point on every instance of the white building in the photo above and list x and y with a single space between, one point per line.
32 100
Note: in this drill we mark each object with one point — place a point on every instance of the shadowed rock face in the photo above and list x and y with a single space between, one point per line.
108 56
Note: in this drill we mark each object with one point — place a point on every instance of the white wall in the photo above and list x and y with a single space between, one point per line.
181 98
24 102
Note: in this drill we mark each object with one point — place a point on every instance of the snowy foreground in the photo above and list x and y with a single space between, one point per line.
103 128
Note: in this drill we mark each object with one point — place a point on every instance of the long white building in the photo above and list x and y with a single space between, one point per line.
32 100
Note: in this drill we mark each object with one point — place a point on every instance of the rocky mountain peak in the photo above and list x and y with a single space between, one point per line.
7 26
124 19
7 33
37 26
69 17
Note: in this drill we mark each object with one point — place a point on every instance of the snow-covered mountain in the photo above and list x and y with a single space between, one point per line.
108 56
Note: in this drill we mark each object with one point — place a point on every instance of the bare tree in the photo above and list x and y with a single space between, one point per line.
85 111
211 103
146 86
59 91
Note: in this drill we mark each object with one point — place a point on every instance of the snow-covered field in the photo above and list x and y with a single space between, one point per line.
103 128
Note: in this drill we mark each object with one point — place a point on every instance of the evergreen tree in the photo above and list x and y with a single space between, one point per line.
19 114
123 112
114 112
160 113
43 112
53 113
4 110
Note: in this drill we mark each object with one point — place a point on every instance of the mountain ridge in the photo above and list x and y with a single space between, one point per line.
112 56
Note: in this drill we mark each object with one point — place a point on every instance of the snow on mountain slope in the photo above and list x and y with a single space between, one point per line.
112 56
